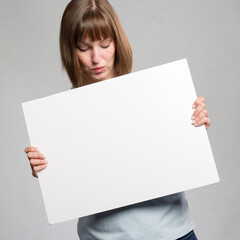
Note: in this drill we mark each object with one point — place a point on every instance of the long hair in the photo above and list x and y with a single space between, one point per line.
95 19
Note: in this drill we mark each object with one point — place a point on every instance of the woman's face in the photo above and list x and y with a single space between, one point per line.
97 59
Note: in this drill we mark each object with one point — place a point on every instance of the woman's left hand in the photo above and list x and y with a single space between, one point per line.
200 115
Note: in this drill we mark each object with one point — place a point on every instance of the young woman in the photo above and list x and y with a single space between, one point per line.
94 48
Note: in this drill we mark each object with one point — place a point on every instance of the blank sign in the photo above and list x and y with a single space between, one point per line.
120 141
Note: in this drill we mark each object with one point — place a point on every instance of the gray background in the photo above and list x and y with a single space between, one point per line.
206 32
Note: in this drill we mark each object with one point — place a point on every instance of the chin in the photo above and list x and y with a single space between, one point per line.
101 77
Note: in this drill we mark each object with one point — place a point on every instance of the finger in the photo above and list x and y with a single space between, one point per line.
199 108
201 115
37 162
31 149
34 174
197 119
207 124
37 169
205 121
198 101
35 155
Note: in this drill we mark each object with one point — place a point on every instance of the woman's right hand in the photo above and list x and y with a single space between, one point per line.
36 159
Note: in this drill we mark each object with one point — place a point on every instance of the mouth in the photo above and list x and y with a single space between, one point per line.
98 69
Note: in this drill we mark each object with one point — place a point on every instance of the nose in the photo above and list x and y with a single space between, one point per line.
96 55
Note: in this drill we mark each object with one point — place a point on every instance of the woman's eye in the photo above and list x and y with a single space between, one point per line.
105 43
83 49
105 46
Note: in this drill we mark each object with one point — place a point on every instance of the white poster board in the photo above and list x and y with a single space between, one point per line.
119 142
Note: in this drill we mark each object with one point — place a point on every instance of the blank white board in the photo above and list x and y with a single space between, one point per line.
119 142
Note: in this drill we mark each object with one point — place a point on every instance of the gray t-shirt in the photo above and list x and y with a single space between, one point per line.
165 218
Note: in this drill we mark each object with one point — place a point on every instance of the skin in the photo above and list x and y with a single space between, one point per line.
94 55
101 54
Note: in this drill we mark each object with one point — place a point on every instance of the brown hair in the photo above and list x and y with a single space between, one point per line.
95 19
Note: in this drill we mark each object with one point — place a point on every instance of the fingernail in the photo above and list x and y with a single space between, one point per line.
195 125
193 117
44 156
37 149
193 122
194 106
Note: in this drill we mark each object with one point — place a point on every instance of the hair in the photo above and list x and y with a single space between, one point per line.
95 19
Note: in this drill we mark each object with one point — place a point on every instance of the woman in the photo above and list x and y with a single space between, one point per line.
94 48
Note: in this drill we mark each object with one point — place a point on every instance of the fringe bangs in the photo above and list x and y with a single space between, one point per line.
95 27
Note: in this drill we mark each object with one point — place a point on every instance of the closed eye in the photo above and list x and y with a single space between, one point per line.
105 43
105 46
82 49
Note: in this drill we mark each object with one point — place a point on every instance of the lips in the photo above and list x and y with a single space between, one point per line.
98 69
